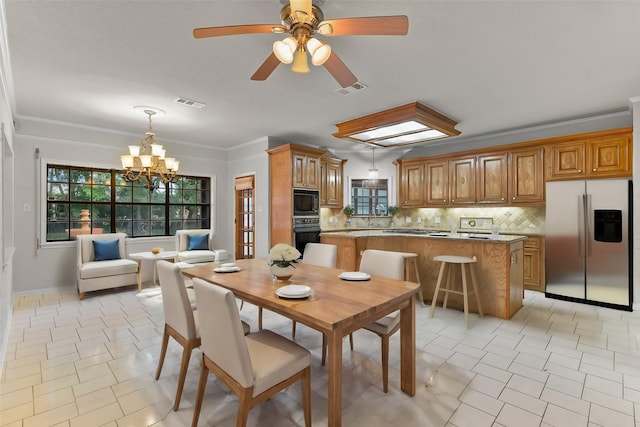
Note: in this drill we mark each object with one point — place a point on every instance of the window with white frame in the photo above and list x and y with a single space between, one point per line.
369 197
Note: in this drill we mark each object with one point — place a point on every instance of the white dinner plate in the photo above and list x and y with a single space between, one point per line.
354 275
228 264
294 291
226 269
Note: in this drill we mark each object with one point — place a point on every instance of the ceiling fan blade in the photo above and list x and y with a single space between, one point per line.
340 71
266 68
233 30
397 25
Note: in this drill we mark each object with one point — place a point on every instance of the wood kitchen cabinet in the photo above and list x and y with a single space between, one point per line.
526 174
331 187
437 182
492 180
290 166
462 180
412 184
603 155
306 170
534 276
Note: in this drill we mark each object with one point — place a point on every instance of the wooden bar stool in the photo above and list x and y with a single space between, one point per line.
411 263
446 274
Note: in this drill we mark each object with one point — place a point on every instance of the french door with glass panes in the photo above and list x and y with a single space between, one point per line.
244 217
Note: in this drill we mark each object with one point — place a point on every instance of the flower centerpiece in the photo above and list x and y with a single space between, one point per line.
282 260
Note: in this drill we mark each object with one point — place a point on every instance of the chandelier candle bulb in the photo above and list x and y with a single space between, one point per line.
127 161
134 150
156 150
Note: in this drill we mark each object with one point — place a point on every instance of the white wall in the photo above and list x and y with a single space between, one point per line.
6 194
52 265
252 159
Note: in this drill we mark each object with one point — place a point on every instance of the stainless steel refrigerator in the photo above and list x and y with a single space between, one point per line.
588 242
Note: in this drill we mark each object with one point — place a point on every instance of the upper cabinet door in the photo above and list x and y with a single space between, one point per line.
462 180
437 177
306 171
313 173
492 178
331 183
566 161
526 172
610 156
412 184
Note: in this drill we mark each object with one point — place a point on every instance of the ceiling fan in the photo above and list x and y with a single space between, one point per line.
302 19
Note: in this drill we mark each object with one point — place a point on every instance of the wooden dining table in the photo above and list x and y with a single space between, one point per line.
336 308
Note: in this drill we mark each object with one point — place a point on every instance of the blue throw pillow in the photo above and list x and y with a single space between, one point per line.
106 249
198 242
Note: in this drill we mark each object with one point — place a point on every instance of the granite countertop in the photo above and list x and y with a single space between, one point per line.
433 234
422 231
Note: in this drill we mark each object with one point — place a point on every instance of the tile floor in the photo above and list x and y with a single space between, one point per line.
91 363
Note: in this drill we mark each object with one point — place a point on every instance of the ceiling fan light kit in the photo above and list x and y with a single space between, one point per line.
407 124
300 61
302 19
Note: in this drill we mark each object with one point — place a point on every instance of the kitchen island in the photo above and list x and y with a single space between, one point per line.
499 270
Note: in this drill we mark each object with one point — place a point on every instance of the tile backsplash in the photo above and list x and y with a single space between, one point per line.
510 220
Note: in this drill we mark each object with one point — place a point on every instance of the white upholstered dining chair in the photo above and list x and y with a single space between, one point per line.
390 265
180 321
255 367
320 254
323 255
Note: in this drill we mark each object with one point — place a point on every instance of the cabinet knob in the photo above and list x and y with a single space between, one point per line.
579 170
594 169
453 200
514 197
502 199
445 200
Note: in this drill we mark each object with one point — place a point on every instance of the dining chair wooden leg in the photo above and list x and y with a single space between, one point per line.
184 366
259 318
202 385
244 406
306 396
324 347
163 351
293 329
385 363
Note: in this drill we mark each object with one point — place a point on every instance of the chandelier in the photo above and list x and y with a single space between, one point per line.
147 162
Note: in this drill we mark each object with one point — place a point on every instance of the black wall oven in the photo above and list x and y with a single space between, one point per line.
305 230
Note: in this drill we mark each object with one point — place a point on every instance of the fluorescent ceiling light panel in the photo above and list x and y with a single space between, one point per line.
408 124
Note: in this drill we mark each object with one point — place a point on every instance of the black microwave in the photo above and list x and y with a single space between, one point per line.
306 202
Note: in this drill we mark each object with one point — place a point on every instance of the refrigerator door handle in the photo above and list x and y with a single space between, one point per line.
587 224
582 225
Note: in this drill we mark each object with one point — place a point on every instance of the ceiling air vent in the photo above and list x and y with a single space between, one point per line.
356 87
190 102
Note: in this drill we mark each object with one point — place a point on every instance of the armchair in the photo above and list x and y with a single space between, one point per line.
94 274
198 253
